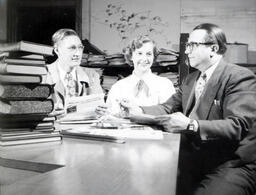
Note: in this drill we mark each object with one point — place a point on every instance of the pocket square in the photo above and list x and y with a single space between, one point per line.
217 102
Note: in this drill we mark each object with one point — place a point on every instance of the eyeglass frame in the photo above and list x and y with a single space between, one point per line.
73 48
190 46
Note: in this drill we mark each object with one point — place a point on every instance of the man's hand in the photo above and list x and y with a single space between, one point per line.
175 123
130 107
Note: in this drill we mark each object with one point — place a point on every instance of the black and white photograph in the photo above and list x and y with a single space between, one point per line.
127 97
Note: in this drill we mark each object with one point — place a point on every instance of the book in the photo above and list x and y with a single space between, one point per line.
24 61
26 129
140 132
21 133
8 136
24 55
14 79
26 106
31 124
28 47
29 141
16 118
81 134
6 68
25 91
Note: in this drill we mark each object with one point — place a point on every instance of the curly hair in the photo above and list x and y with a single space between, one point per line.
137 43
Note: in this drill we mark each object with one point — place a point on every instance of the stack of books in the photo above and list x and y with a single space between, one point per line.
96 60
116 59
167 57
25 103
23 62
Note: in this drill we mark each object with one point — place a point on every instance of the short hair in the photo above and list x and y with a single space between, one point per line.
215 35
137 43
60 34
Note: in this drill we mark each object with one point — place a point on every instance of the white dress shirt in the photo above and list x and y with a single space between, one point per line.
159 89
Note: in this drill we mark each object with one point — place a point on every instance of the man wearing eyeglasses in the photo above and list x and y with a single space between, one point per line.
70 79
215 112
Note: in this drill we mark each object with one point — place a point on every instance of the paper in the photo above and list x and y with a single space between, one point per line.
132 133
83 107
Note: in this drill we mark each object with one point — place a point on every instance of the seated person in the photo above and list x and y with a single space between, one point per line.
142 87
214 111
70 79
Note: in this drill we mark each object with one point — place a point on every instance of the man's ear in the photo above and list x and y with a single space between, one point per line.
215 48
55 49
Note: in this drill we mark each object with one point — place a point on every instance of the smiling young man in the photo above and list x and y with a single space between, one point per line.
215 112
66 74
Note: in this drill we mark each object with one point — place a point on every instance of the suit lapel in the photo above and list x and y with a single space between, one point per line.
189 92
58 85
210 92
83 81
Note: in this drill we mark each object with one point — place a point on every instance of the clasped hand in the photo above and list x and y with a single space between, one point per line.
175 123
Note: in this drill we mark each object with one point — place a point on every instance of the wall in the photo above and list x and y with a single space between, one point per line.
3 20
115 22
236 17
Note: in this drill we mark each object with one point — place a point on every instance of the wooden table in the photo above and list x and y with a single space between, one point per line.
138 167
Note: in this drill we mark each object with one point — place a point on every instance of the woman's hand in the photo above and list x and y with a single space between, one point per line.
102 110
130 107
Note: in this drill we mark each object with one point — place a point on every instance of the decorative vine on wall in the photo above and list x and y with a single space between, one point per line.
130 24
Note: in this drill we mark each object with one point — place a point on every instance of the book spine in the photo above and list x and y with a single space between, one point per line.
3 68
25 62
27 107
24 92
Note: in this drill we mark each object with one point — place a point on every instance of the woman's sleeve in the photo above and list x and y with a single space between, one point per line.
167 90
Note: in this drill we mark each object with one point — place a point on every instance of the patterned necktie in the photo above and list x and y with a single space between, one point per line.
200 86
141 86
71 85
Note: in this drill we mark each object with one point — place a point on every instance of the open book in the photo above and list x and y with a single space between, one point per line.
129 132
112 128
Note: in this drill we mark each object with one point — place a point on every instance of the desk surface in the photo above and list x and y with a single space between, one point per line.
137 167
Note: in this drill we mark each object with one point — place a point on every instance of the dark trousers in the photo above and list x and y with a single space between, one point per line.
229 181
213 171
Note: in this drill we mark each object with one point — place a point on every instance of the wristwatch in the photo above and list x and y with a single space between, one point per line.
191 125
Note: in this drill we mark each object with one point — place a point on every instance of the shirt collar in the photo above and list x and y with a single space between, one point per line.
210 71
63 73
146 77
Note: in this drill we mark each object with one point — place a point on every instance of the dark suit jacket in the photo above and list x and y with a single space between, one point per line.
226 112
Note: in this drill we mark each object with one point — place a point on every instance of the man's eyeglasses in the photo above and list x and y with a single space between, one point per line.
75 48
191 45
